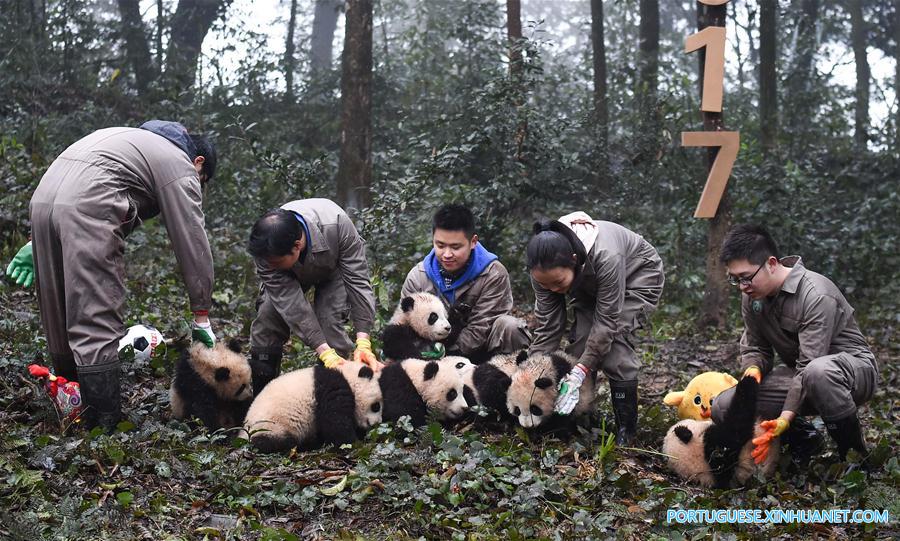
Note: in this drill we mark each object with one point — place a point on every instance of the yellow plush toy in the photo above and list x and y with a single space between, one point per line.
695 401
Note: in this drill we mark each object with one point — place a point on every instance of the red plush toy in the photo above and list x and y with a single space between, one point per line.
66 395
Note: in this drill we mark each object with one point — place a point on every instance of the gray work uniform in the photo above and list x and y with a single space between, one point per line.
89 200
490 327
612 295
826 365
334 265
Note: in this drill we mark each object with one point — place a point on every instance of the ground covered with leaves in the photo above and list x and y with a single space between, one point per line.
157 478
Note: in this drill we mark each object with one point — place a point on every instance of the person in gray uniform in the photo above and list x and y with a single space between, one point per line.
614 279
826 367
89 200
309 244
473 285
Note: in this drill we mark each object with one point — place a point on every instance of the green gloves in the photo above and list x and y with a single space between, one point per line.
202 332
21 268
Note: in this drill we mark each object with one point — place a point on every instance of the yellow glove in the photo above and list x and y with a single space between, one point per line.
330 358
773 429
755 372
363 354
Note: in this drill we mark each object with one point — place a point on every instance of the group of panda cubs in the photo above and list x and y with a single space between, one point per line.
317 406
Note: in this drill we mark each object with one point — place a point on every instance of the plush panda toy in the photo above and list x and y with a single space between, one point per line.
718 455
417 329
315 406
213 384
486 384
413 387
534 387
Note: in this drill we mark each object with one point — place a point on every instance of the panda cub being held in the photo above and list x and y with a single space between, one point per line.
487 384
315 406
212 384
419 324
718 455
414 387
535 385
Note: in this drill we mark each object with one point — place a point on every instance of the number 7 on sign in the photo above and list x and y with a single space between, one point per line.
728 143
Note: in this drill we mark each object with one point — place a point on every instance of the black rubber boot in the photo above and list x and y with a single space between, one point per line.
624 402
64 366
847 434
803 439
265 365
101 399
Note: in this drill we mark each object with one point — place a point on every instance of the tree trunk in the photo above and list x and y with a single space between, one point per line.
715 294
516 72
354 177
601 109
897 73
322 39
800 99
160 21
648 66
190 24
137 50
289 60
768 77
858 39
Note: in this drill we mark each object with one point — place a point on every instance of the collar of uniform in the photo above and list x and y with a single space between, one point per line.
797 271
316 240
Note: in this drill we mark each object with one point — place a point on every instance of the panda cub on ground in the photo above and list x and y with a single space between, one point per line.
315 406
717 455
418 324
487 384
534 387
212 384
413 387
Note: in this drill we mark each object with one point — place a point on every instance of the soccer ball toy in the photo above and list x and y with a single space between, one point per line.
143 339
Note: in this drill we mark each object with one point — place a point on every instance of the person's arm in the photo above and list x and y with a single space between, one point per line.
610 297
181 207
495 300
355 274
550 315
288 299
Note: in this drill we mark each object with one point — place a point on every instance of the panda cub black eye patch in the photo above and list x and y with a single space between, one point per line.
376 407
432 319
517 411
536 411
451 395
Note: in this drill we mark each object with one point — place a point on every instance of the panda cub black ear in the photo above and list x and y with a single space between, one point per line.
366 373
407 304
543 383
234 345
222 374
431 370
522 356
684 434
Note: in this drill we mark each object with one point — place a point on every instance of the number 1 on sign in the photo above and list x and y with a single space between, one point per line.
713 39
729 144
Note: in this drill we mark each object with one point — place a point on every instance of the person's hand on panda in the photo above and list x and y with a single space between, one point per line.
569 390
329 356
773 428
201 329
364 354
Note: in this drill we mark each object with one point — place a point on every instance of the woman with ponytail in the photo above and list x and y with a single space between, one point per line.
614 279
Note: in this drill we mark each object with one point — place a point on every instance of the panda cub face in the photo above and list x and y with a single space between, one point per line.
224 370
366 391
425 314
532 393
440 386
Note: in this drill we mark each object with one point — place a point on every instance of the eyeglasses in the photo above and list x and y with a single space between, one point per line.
734 280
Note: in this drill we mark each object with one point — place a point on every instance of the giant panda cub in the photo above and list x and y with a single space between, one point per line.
486 384
315 406
534 387
212 384
414 387
717 455
419 323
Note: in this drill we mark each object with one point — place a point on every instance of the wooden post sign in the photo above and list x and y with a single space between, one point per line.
712 40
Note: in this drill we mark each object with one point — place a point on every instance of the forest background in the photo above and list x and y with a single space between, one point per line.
392 107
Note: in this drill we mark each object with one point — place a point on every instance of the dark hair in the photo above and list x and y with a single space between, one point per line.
207 149
454 217
274 234
750 242
553 245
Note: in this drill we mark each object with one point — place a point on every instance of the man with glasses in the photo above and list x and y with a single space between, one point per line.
826 366
89 200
